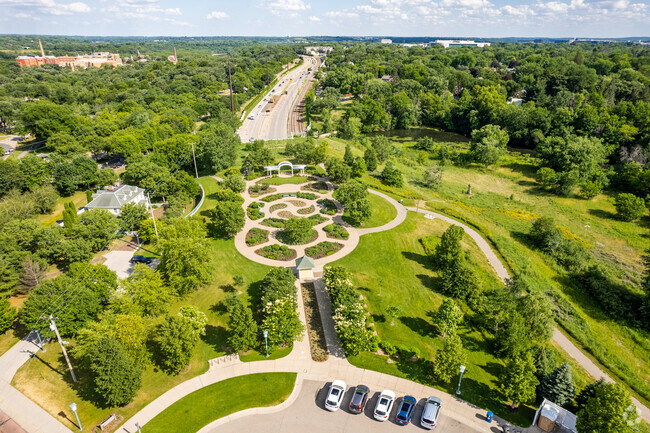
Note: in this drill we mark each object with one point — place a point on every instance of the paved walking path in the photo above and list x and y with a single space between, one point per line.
567 345
24 412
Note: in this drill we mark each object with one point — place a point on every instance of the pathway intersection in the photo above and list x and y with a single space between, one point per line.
34 419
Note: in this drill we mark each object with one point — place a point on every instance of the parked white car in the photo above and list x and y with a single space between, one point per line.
384 405
335 395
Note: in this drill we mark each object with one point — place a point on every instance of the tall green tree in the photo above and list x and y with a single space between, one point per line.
145 286
449 358
448 317
242 329
7 314
488 144
227 218
517 382
558 386
116 379
610 410
132 216
176 339
353 196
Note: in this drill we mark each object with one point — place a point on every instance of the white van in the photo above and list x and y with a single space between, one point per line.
430 413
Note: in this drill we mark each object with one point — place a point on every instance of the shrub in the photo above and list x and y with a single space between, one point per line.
590 189
392 176
256 236
297 231
272 197
328 207
307 195
336 231
316 219
274 222
323 249
388 348
254 212
277 252
629 207
306 210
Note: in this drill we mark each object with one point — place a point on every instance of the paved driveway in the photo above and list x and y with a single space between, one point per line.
118 261
306 415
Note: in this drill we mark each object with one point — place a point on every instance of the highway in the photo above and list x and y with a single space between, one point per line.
270 120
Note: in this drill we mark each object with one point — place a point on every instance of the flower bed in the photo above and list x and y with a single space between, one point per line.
323 249
336 231
257 190
317 342
272 197
320 187
306 210
277 223
317 219
297 203
254 211
307 239
328 206
277 252
307 195
278 206
285 214
256 236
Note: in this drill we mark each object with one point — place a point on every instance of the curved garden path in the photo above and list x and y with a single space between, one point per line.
249 251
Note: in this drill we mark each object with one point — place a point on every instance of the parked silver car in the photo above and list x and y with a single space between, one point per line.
431 412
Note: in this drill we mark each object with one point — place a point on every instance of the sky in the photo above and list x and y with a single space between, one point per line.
439 18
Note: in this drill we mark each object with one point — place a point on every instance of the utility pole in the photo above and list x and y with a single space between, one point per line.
232 103
152 217
65 353
196 171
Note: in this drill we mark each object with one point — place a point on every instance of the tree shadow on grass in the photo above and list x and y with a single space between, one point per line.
378 318
219 308
215 336
418 371
422 259
429 282
602 214
419 325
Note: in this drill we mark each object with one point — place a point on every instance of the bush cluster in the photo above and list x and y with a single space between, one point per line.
328 206
350 315
336 231
277 252
258 188
323 249
254 211
256 236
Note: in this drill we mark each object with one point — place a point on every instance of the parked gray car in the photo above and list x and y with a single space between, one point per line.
359 399
431 412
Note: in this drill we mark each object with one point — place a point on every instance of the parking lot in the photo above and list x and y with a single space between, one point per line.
307 414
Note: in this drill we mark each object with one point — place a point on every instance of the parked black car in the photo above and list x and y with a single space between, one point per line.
140 259
359 399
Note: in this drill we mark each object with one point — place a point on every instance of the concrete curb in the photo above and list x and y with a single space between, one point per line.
257 410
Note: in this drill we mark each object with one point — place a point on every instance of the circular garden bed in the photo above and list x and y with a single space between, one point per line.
277 252
256 236
328 207
254 211
323 249
305 238
285 214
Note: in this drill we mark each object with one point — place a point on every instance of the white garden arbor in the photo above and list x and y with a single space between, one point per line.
271 168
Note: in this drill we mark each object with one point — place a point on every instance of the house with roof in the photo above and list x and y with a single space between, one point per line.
6 149
112 198
551 417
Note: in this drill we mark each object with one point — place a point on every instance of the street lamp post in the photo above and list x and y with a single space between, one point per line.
266 344
462 370
138 427
73 406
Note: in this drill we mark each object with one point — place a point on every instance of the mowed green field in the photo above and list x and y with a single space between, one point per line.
196 410
505 200
391 268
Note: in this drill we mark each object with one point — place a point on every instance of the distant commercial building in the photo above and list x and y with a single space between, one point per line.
386 41
112 198
314 51
82 62
460 43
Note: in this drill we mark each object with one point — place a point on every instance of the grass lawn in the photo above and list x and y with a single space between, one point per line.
79 200
505 199
215 401
275 180
45 378
382 213
255 355
391 268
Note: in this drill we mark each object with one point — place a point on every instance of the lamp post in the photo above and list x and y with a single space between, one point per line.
462 370
266 344
138 427
73 406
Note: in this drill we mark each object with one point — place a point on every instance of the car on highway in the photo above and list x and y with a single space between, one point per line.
384 405
359 399
140 259
405 411
335 395
431 412
251 139
251 117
